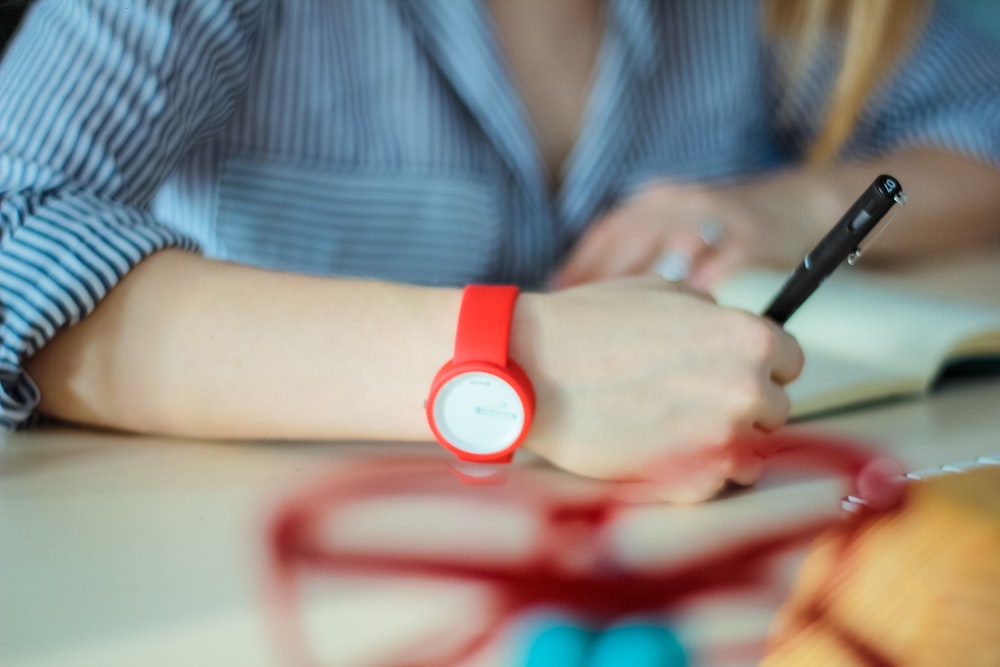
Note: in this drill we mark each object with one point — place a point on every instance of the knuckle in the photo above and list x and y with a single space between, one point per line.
758 337
722 435
750 399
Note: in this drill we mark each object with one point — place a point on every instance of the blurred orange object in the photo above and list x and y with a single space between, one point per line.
916 586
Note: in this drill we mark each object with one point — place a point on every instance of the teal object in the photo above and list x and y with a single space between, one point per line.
555 641
558 640
637 645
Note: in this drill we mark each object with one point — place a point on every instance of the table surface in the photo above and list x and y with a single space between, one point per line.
124 550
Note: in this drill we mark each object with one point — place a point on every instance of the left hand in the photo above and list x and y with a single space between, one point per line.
759 223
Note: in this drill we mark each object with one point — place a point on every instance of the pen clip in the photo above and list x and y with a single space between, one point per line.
901 199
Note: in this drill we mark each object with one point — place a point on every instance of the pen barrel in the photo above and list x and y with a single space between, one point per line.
834 248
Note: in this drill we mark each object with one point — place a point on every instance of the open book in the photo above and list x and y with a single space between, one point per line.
867 340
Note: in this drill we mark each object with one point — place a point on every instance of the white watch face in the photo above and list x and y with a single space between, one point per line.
479 413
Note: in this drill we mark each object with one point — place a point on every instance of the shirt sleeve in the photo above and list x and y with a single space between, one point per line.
944 94
98 101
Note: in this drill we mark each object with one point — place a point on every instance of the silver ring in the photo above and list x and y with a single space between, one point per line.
675 265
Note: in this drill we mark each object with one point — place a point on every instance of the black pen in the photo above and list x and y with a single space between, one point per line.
843 242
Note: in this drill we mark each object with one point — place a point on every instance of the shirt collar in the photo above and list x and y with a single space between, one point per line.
636 22
457 36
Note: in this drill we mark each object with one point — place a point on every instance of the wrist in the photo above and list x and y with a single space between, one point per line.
527 348
524 331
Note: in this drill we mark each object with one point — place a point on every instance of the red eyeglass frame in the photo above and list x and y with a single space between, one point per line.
600 594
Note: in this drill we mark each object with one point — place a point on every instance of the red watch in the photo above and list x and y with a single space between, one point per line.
481 402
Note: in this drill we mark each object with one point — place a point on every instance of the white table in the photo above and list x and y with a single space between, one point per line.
120 551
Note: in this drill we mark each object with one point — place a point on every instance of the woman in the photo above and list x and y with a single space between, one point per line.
342 167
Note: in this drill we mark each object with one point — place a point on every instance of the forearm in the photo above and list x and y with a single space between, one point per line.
954 202
189 346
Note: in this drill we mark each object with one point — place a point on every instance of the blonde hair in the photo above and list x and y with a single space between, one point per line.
874 35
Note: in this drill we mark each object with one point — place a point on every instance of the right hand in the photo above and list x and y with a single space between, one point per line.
637 379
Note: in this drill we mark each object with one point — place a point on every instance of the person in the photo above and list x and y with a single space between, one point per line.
250 219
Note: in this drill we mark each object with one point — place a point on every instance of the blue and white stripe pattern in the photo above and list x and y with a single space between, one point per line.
379 138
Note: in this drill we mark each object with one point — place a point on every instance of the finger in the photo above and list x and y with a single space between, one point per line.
632 256
774 410
579 265
747 468
605 250
675 266
729 257
700 295
687 250
699 474
705 485
585 254
788 358
692 476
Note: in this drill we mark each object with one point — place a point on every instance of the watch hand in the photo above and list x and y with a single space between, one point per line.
492 412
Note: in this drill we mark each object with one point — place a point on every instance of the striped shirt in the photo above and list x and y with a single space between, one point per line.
383 138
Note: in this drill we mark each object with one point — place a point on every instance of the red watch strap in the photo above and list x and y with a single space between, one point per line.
484 323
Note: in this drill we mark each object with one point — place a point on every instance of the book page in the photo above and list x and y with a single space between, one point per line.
890 331
829 382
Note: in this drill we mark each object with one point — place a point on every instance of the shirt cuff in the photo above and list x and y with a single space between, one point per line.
59 256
